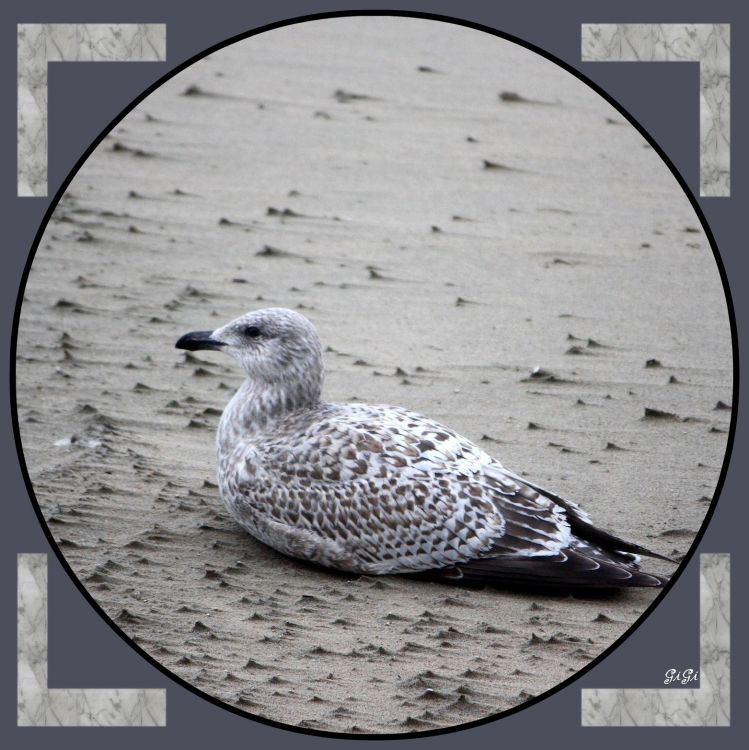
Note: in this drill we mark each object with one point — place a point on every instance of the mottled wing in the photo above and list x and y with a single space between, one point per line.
389 491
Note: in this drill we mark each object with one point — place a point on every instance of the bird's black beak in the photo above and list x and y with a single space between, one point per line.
198 340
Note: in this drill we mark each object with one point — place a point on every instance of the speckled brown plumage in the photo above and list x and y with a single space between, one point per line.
380 489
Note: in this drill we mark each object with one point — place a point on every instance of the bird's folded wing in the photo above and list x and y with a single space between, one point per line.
413 497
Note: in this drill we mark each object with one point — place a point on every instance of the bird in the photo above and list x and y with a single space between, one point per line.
381 490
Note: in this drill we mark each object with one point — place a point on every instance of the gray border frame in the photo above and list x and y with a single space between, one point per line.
195 723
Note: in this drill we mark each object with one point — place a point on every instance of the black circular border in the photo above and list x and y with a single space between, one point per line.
403 14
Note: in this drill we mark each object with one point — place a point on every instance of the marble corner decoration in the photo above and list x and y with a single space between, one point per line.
709 705
41 43
706 44
42 706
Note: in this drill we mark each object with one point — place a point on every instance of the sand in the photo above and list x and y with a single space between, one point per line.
445 241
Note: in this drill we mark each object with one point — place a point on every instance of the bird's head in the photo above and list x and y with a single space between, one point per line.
274 346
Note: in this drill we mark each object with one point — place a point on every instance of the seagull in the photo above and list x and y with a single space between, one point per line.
376 489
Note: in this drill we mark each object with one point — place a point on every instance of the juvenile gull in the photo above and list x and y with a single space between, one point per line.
380 489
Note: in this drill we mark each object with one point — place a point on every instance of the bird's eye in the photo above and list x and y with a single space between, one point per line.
252 332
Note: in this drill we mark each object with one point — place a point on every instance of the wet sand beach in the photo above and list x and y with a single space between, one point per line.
477 236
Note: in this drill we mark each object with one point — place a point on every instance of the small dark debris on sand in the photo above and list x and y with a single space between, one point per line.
269 251
722 406
121 148
375 275
661 415
493 165
538 374
196 91
344 97
65 304
562 448
512 97
554 210
285 213
126 616
460 302
653 363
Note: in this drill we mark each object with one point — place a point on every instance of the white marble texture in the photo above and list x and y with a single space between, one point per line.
40 706
707 44
40 44
705 706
